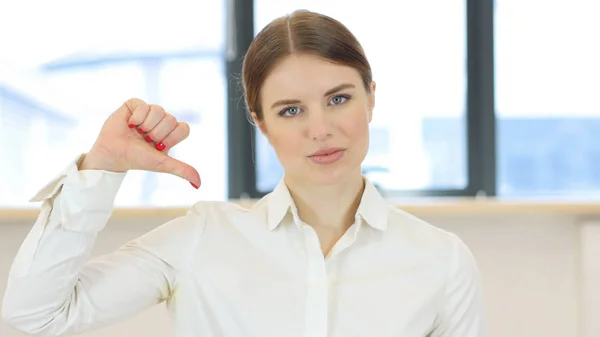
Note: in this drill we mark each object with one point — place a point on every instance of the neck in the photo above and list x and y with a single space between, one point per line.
330 207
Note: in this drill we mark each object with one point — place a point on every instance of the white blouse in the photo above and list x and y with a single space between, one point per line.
225 271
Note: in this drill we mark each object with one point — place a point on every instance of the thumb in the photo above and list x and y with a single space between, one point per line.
176 167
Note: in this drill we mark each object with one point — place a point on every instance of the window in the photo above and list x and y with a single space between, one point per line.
418 56
58 84
548 116
465 104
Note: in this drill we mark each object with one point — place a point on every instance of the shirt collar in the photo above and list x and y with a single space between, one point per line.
280 204
373 209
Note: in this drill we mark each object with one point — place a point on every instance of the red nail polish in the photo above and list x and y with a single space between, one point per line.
140 130
131 126
195 186
148 139
160 146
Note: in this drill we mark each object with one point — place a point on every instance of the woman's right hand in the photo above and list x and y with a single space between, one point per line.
138 136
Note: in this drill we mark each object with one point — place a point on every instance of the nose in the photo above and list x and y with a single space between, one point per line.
319 125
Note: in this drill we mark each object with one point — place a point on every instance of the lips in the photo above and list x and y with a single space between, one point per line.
326 151
327 156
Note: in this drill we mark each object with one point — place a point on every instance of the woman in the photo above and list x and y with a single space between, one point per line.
322 255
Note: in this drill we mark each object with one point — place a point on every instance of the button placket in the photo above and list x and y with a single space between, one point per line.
317 286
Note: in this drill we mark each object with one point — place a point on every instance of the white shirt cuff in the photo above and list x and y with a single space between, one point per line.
86 197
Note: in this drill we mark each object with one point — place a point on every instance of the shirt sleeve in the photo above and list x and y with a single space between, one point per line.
462 314
55 289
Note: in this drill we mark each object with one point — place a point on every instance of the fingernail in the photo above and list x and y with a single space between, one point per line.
195 186
131 126
160 146
140 130
148 139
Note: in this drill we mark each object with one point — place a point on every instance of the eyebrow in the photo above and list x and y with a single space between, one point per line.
339 88
329 92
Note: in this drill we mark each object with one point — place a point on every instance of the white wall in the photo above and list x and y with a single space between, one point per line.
536 270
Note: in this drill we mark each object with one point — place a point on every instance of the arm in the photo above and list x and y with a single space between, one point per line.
53 287
462 314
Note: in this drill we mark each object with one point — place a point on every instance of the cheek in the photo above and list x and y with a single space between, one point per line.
356 127
286 144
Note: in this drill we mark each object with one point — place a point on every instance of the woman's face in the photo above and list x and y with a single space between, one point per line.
316 116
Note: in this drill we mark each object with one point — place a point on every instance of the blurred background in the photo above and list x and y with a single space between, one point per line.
486 124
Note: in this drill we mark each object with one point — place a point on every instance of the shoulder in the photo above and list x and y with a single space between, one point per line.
446 247
188 227
223 211
419 231
216 208
223 214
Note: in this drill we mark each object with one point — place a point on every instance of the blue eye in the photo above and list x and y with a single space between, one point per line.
291 111
339 99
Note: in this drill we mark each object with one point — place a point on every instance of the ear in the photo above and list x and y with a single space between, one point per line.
259 123
372 100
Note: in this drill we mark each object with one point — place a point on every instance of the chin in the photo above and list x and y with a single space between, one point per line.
332 175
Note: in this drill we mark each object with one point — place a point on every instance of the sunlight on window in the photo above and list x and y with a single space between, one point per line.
62 76
547 97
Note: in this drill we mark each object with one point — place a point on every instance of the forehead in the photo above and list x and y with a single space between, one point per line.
300 75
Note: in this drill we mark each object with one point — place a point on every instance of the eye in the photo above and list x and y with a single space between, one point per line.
339 99
291 111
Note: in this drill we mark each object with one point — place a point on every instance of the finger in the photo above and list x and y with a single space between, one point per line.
155 115
181 132
162 129
178 168
138 110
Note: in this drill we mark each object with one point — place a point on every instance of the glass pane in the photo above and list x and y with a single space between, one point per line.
58 87
547 97
418 55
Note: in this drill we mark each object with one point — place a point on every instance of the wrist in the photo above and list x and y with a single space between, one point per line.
93 161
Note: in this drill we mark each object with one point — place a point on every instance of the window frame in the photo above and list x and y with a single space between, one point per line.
480 108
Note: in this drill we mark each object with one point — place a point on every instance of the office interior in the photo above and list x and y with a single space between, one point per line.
486 125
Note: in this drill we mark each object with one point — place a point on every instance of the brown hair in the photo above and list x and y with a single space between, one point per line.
300 32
